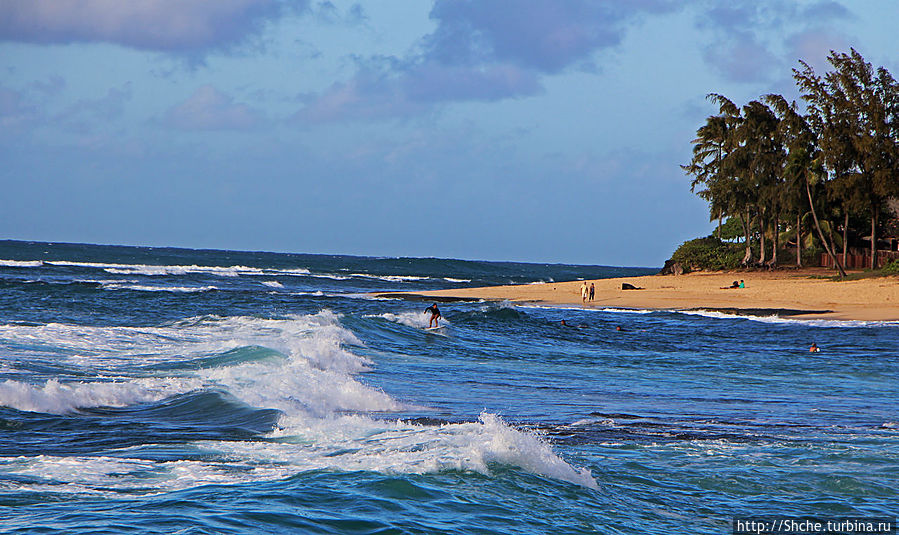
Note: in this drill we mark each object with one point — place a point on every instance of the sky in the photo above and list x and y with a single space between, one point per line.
520 130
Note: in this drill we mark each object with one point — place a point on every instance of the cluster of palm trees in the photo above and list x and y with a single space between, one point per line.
770 164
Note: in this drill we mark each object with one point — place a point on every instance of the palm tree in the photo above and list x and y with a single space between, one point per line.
801 163
738 193
709 149
855 113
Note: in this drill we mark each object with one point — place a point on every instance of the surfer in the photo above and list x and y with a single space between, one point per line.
435 315
814 348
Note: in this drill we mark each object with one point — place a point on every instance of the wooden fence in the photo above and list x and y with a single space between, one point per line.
859 261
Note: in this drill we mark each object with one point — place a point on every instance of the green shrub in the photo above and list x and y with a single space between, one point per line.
709 254
892 268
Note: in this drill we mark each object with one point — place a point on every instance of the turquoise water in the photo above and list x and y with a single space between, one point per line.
178 391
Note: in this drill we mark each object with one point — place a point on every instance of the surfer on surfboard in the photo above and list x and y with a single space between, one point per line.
435 315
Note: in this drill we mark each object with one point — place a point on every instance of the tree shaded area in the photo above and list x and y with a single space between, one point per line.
819 177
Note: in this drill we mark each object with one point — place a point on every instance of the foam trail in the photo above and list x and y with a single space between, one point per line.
390 278
146 288
789 320
55 397
230 271
159 270
152 270
419 320
21 263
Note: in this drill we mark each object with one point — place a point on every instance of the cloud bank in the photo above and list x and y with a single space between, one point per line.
179 26
481 50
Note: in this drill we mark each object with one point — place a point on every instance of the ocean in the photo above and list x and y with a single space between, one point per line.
159 390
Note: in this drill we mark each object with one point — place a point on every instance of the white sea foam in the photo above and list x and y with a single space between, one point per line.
390 278
59 398
273 284
229 271
160 270
325 407
605 422
317 375
294 271
148 288
404 278
21 263
153 270
84 475
400 447
419 320
345 443
330 276
722 315
628 310
773 318
580 308
108 281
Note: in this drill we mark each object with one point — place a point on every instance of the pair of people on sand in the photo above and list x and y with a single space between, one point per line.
587 293
735 284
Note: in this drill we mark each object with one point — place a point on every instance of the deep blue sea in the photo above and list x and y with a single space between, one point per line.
155 390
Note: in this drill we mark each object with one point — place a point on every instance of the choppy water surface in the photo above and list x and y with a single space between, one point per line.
178 391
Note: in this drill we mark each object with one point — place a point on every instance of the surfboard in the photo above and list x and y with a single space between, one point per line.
433 328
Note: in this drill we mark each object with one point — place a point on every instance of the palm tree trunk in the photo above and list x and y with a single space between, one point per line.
808 191
874 237
833 244
799 239
745 221
776 240
762 231
845 235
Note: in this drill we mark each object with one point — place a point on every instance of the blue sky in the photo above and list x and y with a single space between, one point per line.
531 130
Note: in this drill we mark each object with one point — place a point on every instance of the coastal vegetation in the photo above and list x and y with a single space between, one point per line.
783 179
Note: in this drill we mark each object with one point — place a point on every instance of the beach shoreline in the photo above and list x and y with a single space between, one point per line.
802 293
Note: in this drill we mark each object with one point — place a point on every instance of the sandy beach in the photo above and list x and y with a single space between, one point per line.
800 293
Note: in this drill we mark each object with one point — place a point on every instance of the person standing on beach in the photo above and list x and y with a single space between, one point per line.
584 292
592 291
